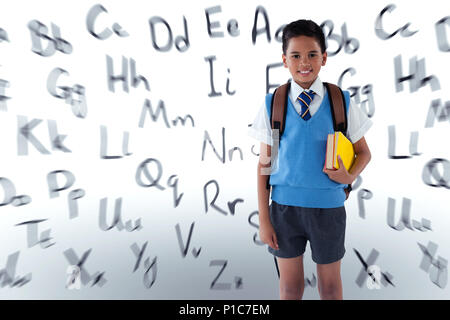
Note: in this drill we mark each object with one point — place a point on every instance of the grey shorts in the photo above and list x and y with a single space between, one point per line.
294 226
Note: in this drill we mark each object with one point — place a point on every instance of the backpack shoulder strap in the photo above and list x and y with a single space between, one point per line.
278 107
337 102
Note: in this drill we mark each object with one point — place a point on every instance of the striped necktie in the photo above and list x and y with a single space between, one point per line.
305 99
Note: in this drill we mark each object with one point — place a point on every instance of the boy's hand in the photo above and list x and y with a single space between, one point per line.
340 175
267 235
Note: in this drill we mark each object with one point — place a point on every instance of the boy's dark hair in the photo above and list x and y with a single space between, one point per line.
303 28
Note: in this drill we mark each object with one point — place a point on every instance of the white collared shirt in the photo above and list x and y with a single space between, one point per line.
357 121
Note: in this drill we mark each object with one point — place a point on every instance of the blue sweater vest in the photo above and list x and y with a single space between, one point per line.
299 179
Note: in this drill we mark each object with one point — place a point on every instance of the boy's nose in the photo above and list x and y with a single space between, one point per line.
304 61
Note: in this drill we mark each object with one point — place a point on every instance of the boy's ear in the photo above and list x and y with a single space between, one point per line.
324 58
283 56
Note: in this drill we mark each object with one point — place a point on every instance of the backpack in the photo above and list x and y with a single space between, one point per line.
279 104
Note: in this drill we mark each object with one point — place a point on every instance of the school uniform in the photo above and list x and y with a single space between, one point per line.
306 204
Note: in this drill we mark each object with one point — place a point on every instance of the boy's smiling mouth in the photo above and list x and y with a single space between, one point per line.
304 72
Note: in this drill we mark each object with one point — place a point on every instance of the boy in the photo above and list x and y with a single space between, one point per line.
307 199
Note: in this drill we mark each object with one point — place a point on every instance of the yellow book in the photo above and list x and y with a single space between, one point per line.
338 144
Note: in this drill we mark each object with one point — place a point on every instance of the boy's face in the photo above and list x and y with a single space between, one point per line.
304 59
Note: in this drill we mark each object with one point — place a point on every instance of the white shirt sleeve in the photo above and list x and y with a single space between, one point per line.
261 129
358 123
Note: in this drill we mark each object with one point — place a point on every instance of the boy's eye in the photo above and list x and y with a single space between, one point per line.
310 55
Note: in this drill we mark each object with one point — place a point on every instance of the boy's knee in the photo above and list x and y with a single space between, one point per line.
292 289
330 290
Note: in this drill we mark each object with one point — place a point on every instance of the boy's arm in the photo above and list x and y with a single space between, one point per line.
363 157
263 192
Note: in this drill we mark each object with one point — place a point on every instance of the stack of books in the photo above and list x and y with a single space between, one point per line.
338 144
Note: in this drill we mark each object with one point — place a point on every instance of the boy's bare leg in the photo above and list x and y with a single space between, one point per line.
292 282
329 281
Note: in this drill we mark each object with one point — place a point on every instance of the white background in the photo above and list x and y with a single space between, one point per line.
182 81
